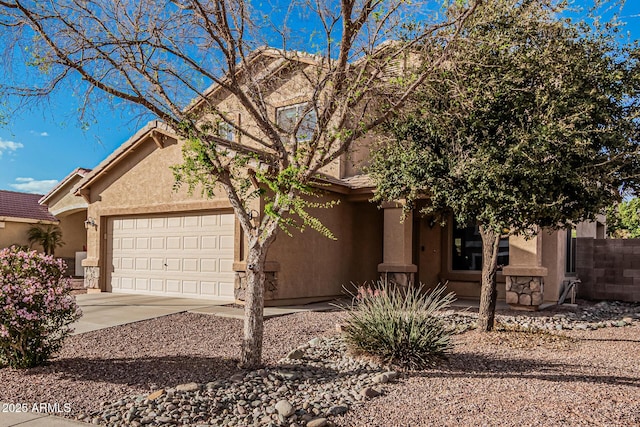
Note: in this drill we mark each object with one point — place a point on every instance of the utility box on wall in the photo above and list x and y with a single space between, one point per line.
79 269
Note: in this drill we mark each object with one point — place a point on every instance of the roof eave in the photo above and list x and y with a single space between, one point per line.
81 172
140 136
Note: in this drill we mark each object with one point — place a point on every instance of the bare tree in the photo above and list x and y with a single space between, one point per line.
162 55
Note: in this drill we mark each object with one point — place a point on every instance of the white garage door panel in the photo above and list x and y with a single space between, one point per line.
181 255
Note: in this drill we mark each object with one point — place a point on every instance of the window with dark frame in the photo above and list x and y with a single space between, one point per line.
466 249
287 118
226 131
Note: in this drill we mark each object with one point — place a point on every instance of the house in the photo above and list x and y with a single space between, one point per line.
18 213
21 211
145 237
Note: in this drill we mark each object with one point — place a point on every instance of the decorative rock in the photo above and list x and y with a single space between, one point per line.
236 378
265 420
285 408
155 394
188 387
392 375
337 410
295 354
323 382
369 392
381 379
317 422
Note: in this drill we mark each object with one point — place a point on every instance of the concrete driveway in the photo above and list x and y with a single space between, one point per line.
105 309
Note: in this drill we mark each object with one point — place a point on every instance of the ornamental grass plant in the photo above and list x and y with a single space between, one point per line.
398 326
36 307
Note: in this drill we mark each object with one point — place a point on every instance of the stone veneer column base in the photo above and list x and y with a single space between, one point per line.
271 269
270 285
92 277
397 274
524 292
397 279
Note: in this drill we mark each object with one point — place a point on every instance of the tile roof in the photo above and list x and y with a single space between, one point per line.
359 181
23 205
355 182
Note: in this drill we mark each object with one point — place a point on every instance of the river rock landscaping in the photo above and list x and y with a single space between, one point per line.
181 370
314 382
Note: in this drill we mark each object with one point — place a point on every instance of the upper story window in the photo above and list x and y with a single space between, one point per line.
466 249
287 118
226 131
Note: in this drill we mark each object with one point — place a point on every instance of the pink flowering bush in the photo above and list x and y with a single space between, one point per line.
365 292
36 307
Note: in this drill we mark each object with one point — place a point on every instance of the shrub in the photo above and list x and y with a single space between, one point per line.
36 307
398 326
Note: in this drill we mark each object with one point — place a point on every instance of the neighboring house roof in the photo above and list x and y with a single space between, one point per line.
23 206
80 172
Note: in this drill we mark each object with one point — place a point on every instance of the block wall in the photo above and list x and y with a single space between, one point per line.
609 269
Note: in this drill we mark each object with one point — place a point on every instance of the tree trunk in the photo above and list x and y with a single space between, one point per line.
251 356
488 293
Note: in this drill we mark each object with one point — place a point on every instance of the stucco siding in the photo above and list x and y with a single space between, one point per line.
312 265
74 235
553 258
15 233
64 201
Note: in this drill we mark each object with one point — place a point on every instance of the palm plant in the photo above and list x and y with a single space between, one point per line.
48 236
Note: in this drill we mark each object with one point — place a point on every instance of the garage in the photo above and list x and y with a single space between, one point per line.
188 255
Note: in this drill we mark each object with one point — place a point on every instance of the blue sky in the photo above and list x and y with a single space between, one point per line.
43 144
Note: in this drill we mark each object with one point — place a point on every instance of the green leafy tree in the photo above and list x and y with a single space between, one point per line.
48 236
623 221
532 123
160 56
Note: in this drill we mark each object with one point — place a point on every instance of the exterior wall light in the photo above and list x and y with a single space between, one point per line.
90 223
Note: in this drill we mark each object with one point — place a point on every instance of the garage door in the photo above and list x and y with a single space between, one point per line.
181 255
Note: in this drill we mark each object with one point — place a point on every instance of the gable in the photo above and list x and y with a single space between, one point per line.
61 200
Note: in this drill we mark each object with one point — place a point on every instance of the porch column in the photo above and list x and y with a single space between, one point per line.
525 274
397 253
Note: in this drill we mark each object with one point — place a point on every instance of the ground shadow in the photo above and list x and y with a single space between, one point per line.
141 372
169 371
474 365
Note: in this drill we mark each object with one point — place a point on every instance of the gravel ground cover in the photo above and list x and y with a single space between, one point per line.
585 372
